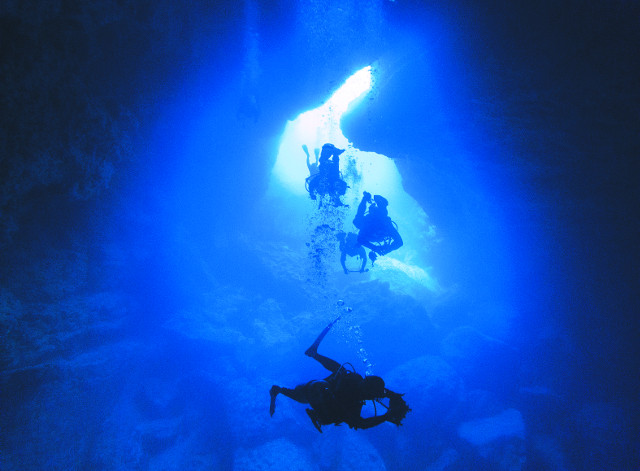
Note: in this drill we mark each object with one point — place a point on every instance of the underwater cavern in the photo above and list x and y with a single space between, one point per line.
183 187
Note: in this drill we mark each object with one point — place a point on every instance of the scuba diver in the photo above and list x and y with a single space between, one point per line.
377 231
327 181
349 246
340 396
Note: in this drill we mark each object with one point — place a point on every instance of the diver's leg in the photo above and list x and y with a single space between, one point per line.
363 255
299 394
314 346
363 241
327 362
304 394
343 262
312 351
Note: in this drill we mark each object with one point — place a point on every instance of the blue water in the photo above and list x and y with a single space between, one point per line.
151 337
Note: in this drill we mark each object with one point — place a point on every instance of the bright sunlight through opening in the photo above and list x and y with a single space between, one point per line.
317 127
405 269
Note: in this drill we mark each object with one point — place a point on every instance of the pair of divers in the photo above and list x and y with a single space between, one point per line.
339 397
377 231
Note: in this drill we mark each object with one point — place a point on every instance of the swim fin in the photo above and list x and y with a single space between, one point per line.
313 415
313 349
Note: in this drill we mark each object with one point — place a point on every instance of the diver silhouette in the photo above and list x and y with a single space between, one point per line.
340 396
349 246
377 231
328 180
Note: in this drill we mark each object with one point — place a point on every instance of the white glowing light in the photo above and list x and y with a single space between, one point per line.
315 128
415 278
354 87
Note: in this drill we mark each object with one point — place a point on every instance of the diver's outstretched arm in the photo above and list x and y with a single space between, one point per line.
370 421
312 351
358 221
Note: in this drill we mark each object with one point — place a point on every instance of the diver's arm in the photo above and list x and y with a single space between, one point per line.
398 408
359 219
388 393
370 421
366 198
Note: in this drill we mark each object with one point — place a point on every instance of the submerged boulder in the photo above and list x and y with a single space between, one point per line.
546 452
431 386
482 361
249 405
346 450
500 439
273 456
448 460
